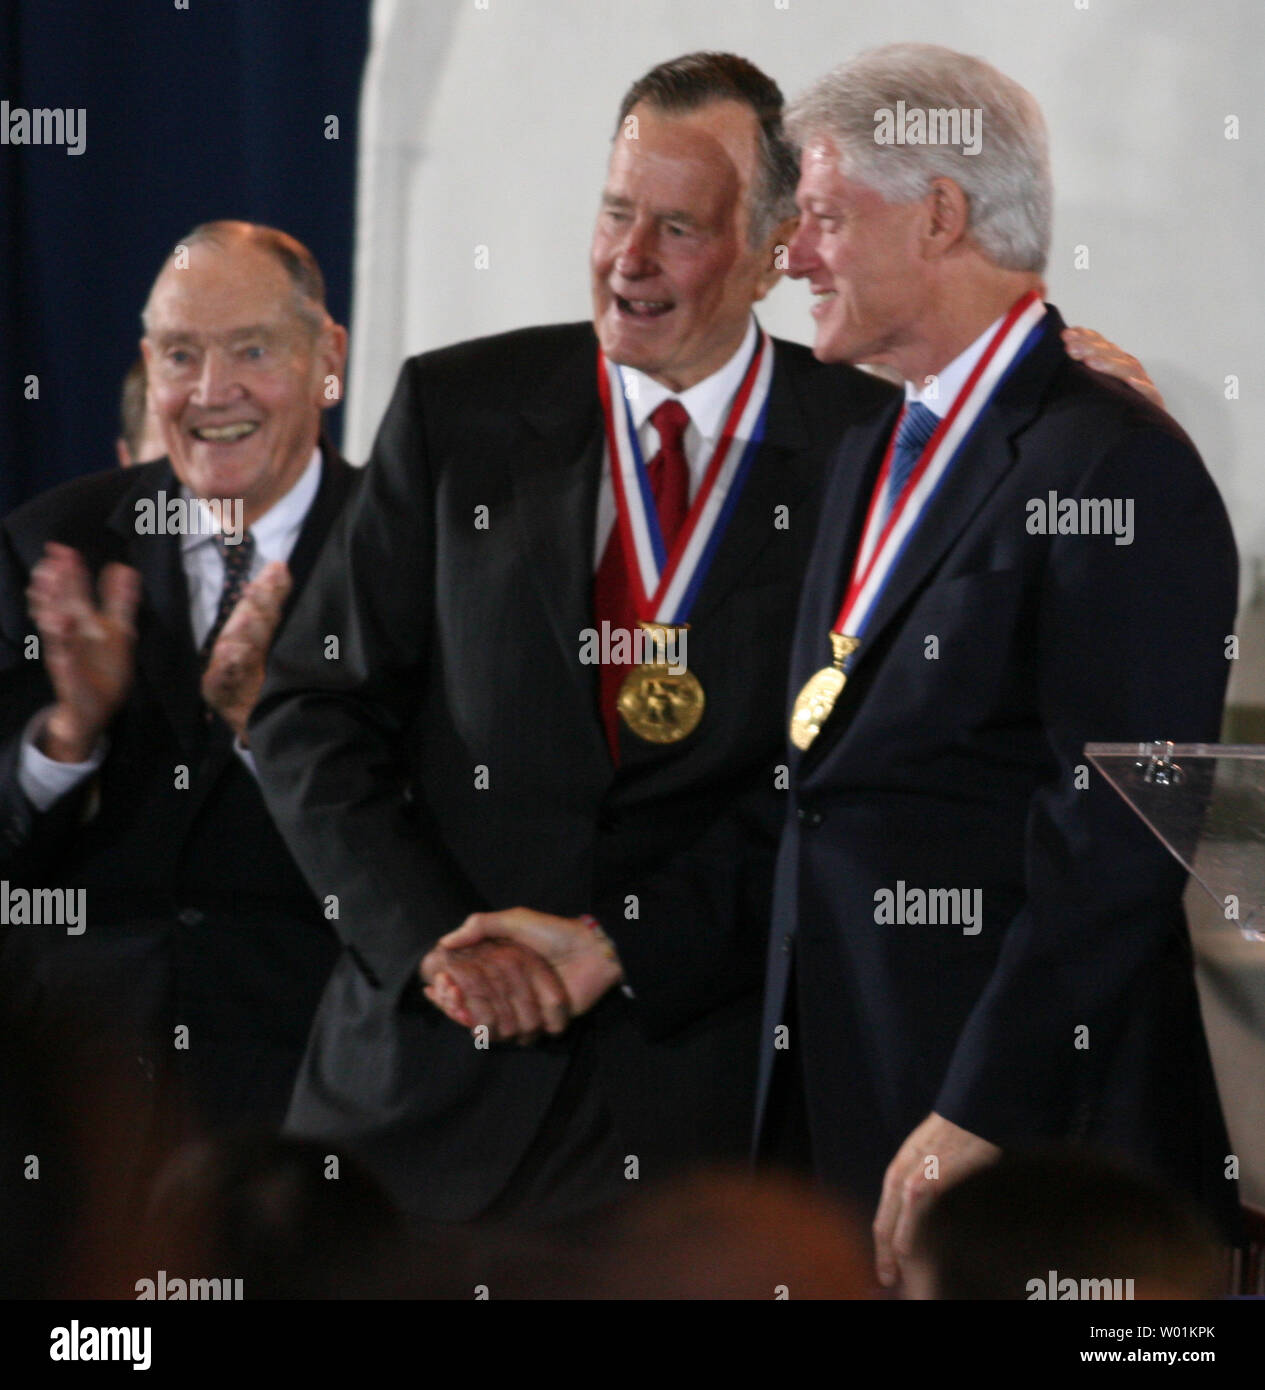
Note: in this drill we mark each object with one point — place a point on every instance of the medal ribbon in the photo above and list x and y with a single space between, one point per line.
664 587
883 542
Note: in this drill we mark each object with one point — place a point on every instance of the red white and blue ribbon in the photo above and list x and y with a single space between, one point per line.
884 539
664 587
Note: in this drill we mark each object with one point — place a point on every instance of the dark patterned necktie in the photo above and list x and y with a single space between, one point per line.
237 560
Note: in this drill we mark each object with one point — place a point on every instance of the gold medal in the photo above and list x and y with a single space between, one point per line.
817 699
656 703
885 532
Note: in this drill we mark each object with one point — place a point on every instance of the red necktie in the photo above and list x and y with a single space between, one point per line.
612 595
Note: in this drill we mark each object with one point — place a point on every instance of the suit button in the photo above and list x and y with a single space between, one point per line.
809 817
190 917
788 942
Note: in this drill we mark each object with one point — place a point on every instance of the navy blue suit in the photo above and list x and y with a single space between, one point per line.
459 651
953 763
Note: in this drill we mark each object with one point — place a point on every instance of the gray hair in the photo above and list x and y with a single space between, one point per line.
1007 183
294 258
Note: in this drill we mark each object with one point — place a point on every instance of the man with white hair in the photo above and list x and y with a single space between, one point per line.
1015 558
655 466
137 609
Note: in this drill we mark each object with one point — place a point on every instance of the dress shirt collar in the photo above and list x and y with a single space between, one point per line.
951 380
707 401
276 531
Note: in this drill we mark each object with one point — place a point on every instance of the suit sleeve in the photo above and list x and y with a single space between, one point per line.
1130 646
701 931
330 732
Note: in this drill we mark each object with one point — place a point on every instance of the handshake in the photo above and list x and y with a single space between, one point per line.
519 973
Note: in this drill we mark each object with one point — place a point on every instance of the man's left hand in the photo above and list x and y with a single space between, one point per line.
499 985
234 675
1095 351
584 959
912 1182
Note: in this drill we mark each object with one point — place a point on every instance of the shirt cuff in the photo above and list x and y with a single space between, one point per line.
596 927
247 757
43 780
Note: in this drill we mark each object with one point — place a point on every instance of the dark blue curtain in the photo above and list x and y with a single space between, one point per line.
217 110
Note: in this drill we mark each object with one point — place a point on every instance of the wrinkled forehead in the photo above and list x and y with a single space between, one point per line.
822 175
215 293
712 151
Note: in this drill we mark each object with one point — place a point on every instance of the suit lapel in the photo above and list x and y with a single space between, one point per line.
983 462
165 655
555 476
337 479
989 455
847 496
164 647
852 476
782 470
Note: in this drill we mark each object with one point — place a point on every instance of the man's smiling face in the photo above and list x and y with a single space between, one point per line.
674 276
863 259
236 373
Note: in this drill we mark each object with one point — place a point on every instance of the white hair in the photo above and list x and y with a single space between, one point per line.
1007 183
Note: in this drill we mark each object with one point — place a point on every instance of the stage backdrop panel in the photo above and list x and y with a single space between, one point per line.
486 125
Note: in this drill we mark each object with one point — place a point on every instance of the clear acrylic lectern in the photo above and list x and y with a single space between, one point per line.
1206 803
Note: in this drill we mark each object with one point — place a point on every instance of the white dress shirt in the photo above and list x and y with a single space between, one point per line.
948 383
44 781
275 534
707 403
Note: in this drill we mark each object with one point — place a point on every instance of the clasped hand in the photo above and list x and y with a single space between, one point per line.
519 973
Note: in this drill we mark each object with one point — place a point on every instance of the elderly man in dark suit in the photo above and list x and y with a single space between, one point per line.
1016 558
467 752
154 594
484 739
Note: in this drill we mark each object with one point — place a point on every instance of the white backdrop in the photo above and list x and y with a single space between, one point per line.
486 123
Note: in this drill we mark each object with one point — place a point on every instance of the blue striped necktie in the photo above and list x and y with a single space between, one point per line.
916 427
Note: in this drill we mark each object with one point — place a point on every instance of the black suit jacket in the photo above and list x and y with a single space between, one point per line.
452 759
196 913
958 763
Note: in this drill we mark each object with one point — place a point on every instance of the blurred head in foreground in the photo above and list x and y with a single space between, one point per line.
286 1216
1062 1225
140 437
713 1235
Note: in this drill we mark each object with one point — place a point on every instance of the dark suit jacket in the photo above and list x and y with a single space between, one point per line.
958 768
452 759
196 914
